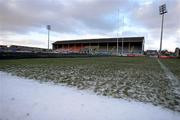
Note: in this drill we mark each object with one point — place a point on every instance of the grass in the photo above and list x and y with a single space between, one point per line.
138 78
173 65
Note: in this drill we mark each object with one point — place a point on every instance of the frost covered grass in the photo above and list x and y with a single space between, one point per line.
138 78
173 65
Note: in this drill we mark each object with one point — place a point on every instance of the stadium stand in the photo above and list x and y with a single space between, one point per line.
131 45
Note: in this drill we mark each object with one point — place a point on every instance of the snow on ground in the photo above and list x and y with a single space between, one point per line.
174 80
24 99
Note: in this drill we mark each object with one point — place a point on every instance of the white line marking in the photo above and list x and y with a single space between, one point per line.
174 80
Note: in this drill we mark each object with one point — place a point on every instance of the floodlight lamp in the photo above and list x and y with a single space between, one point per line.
48 27
162 9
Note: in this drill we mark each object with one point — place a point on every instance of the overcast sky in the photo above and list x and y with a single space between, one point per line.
23 22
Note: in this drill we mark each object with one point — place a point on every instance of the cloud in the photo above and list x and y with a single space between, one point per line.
68 16
88 18
148 15
24 15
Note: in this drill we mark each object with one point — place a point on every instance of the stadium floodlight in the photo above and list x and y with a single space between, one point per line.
48 28
162 11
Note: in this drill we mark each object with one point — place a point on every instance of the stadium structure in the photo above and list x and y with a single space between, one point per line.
27 49
112 46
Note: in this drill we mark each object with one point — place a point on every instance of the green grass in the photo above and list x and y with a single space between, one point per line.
59 61
138 78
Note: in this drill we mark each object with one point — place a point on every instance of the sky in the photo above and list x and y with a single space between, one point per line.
23 22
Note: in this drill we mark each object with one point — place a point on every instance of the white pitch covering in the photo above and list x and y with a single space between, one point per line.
23 99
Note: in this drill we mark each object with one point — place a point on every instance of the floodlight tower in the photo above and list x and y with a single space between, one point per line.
48 28
162 11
